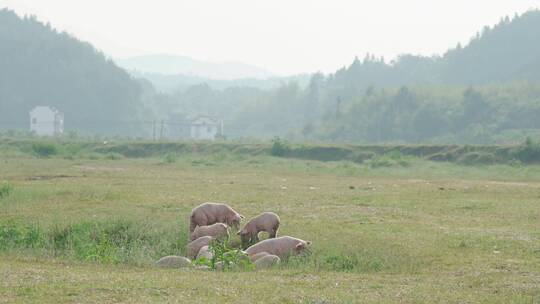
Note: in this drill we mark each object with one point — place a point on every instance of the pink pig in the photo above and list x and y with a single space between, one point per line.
267 221
216 230
281 246
194 247
211 213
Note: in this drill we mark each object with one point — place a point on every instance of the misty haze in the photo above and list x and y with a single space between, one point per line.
269 152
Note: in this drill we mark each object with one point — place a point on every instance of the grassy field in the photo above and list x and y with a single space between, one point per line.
88 230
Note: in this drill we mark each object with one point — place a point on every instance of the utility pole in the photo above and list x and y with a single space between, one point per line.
154 130
222 134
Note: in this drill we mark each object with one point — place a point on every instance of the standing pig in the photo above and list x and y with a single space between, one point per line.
267 221
211 213
216 231
281 246
194 247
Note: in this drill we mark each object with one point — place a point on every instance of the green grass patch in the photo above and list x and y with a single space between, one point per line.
109 241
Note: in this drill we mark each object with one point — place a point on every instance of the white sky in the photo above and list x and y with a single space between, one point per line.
284 36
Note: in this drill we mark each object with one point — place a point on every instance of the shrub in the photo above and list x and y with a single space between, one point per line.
5 189
279 147
169 158
114 156
44 149
529 152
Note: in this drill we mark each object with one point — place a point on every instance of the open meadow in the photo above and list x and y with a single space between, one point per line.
88 229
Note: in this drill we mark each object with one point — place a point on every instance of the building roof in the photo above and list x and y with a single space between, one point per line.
204 120
42 108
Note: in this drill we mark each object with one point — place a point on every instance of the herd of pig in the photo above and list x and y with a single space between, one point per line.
211 221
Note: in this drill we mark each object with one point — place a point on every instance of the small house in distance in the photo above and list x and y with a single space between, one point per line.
46 121
205 127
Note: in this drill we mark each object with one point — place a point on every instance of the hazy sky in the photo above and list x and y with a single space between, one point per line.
284 36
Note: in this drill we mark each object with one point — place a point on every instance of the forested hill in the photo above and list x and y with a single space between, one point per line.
40 66
507 51
485 92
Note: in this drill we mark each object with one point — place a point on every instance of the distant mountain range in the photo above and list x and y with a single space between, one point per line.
180 82
175 65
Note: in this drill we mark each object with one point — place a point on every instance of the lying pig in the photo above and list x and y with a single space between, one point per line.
281 246
211 213
205 252
267 261
216 231
193 248
267 221
259 255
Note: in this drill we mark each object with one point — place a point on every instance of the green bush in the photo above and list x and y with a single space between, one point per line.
169 158
5 189
279 147
43 149
529 152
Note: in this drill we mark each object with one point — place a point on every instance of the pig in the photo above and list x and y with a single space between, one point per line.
259 255
211 213
205 252
267 261
267 221
172 261
194 247
281 246
216 231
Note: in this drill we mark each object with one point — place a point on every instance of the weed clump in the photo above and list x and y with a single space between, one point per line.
279 147
529 152
225 257
43 149
169 158
5 189
114 156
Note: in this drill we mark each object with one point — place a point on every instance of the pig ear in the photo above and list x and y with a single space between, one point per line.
299 246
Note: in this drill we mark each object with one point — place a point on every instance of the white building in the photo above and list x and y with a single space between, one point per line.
205 127
46 121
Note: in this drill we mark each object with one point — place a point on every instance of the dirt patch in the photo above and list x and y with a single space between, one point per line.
106 169
48 177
